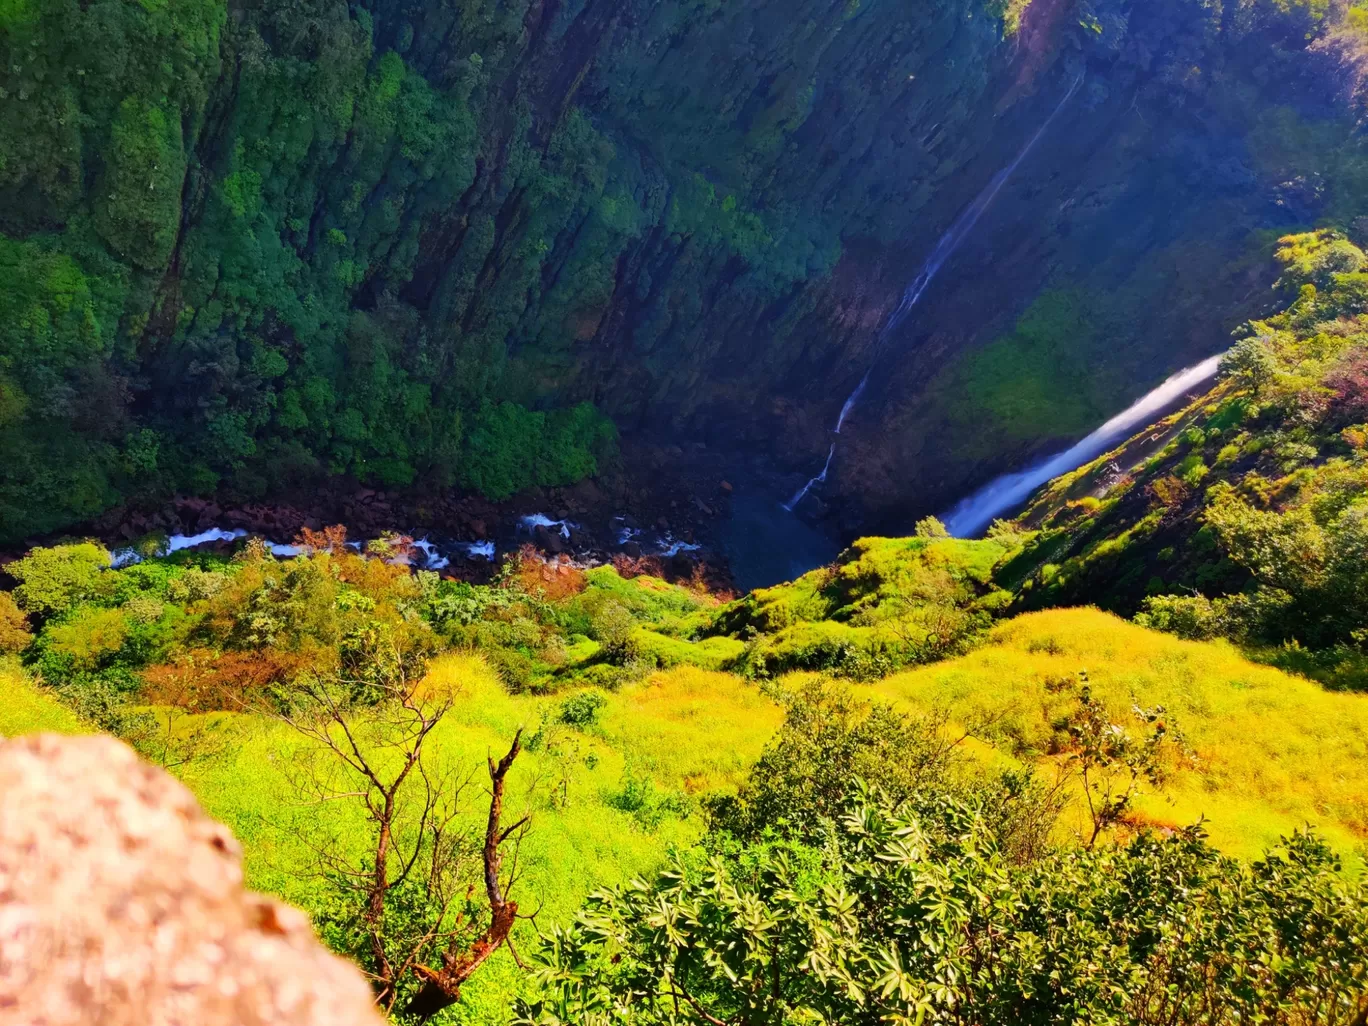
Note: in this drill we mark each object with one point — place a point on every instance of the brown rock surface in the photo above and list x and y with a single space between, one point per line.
121 903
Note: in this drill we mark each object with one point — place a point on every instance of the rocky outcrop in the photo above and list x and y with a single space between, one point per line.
122 903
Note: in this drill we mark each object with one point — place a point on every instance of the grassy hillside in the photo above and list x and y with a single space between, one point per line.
1053 753
1244 515
608 799
1267 753
24 709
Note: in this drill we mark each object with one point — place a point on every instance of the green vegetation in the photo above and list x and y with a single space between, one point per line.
1043 378
1262 753
248 249
245 250
937 794
884 604
1247 520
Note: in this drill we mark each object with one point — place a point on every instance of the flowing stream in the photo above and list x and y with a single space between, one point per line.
1008 492
427 553
945 247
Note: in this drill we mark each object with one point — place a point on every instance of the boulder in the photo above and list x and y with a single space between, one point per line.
549 541
121 903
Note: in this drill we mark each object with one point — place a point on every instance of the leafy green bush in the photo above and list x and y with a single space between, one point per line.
910 913
582 709
54 580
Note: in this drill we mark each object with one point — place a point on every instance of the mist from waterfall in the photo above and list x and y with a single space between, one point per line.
945 247
1010 491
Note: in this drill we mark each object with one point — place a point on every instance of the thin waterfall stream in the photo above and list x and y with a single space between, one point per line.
944 248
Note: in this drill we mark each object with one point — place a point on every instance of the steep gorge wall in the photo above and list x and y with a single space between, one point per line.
248 243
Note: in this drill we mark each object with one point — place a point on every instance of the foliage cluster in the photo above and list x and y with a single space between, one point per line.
884 603
911 904
241 249
205 632
1247 519
958 840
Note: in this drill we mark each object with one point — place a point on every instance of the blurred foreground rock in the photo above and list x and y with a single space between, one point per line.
121 902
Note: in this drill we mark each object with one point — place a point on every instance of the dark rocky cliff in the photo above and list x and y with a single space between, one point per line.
267 240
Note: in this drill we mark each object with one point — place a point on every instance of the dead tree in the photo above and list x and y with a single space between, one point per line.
442 987
406 897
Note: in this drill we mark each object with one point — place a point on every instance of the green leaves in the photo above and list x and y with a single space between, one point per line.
910 914
511 448
139 207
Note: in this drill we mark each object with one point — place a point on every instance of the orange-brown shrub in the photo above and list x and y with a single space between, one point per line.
629 567
329 539
202 680
553 579
14 626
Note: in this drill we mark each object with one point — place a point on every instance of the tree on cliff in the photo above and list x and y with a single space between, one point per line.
402 899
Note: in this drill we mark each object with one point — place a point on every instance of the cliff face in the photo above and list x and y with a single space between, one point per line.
249 242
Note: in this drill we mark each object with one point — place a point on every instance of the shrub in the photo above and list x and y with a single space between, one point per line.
15 635
829 740
611 625
1251 363
1191 470
516 670
90 638
582 709
930 527
54 580
195 585
910 912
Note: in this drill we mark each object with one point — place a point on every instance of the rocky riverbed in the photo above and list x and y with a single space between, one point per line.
666 509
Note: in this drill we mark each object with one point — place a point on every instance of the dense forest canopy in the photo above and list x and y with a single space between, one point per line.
248 246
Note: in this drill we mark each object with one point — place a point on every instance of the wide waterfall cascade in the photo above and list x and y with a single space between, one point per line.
1010 491
944 248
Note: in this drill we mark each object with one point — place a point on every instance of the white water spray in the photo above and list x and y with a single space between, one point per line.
945 247
819 479
1010 491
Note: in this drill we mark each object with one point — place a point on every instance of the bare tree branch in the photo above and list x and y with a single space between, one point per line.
442 987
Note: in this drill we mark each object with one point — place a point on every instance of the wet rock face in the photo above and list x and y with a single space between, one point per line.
121 902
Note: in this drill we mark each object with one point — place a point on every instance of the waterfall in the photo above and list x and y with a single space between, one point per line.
1010 491
819 479
944 248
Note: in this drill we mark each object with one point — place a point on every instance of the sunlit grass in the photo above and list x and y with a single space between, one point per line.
1273 752
691 728
26 709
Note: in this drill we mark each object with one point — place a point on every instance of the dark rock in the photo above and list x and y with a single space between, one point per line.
548 540
682 564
